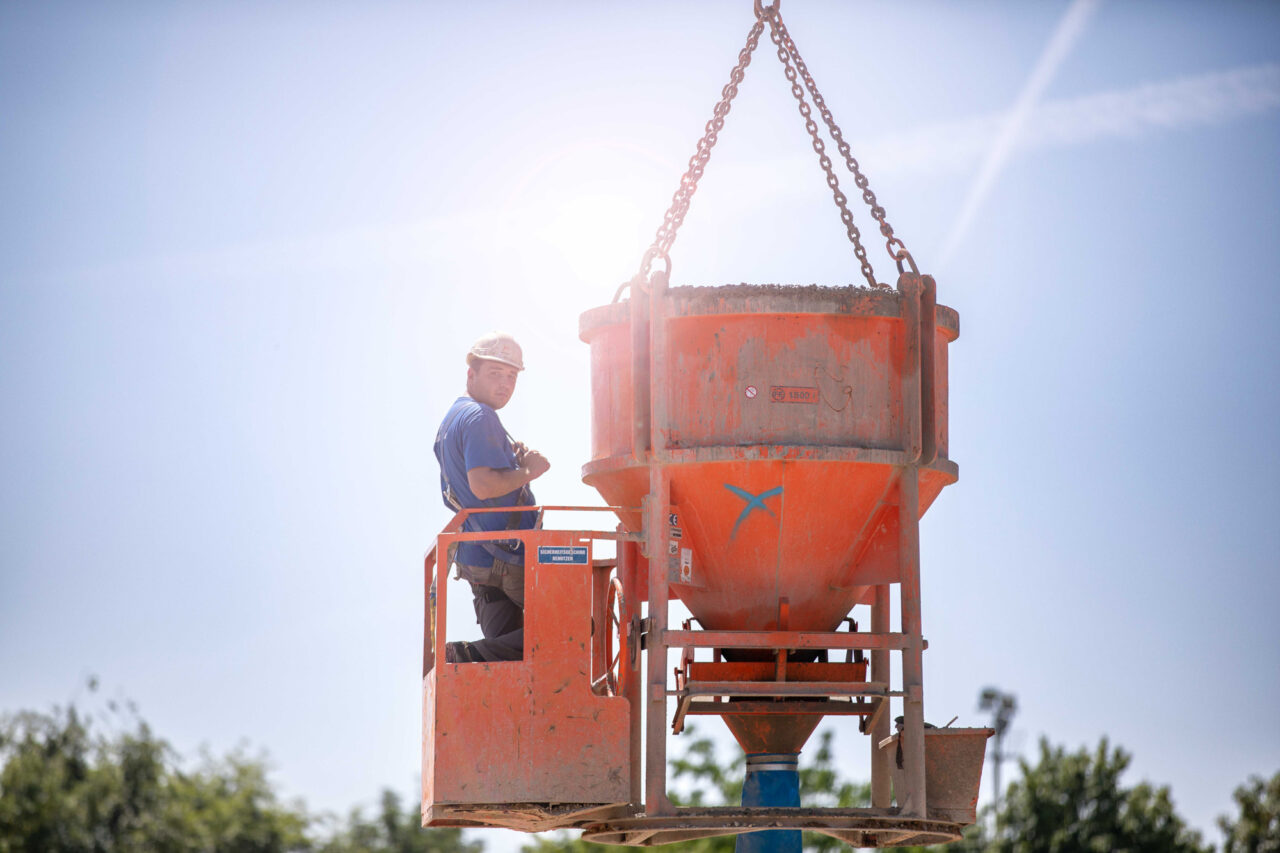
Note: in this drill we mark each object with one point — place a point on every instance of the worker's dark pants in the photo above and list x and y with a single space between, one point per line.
499 601
502 623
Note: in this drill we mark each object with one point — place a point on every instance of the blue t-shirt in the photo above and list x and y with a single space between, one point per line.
471 436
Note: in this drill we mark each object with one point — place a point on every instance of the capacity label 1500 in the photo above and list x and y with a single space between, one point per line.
793 394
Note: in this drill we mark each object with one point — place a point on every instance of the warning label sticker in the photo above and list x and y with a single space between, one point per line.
572 555
793 394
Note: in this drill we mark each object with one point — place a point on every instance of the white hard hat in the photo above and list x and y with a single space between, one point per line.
497 346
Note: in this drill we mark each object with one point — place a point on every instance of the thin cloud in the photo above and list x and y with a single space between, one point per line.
1206 99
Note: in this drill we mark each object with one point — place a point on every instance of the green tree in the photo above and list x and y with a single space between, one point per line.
1074 801
1257 828
65 788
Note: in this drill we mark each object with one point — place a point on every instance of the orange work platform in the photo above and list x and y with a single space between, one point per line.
538 742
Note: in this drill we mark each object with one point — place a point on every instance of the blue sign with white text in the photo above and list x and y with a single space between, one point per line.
572 555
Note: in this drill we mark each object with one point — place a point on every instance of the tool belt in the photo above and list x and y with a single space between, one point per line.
502 549
485 592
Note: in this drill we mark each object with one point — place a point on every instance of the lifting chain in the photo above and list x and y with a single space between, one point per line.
786 50
793 67
896 248
675 214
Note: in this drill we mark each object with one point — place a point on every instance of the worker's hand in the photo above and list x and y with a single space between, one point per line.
535 463
520 449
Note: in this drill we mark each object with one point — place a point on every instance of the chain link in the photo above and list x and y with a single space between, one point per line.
778 31
795 70
675 214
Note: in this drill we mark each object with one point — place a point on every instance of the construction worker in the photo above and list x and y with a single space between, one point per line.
481 466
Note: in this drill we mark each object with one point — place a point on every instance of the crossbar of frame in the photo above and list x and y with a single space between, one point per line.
808 689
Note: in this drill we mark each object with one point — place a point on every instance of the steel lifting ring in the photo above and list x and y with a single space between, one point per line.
644 275
762 10
903 255
637 282
666 260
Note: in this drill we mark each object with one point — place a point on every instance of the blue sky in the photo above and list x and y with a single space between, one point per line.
243 249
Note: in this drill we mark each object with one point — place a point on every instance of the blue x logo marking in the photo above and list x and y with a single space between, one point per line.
753 502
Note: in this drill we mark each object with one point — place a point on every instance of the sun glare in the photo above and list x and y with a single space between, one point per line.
583 207
599 236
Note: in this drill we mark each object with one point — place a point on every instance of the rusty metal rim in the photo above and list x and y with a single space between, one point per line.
732 299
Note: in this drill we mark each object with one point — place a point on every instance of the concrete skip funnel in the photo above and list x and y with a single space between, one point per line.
783 426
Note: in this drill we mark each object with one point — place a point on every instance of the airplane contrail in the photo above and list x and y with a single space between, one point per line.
1071 26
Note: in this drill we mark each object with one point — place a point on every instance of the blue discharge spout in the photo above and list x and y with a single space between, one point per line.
773 780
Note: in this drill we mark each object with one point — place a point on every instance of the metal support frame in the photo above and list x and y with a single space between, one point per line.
913 800
656 507
628 571
919 308
792 640
880 793
655 522
650 446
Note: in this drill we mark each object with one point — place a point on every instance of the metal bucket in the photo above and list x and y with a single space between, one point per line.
953 771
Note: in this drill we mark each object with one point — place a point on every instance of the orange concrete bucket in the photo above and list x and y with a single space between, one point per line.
783 432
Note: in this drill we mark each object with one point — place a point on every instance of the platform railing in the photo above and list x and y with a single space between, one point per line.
436 570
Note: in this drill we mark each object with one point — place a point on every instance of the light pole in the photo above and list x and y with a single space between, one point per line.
1002 707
